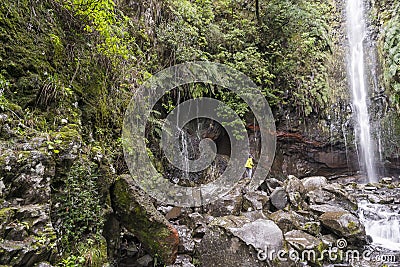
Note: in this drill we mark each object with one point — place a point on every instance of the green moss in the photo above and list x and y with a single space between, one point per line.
6 214
352 226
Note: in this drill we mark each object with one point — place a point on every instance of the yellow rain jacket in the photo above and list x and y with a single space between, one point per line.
249 163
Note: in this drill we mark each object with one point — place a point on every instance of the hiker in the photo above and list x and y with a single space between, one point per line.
249 166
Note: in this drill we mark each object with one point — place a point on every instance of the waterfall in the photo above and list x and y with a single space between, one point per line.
356 31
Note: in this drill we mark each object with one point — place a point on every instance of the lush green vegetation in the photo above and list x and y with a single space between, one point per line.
282 47
391 54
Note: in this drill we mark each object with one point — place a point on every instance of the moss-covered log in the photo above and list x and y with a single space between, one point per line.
137 213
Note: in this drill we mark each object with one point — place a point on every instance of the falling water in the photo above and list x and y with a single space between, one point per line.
356 31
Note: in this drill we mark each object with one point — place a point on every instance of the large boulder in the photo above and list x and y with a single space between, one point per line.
302 241
295 191
321 209
309 247
136 212
279 198
229 204
287 221
256 200
314 183
344 224
236 241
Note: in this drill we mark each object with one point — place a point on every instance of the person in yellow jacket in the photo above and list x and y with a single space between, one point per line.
249 166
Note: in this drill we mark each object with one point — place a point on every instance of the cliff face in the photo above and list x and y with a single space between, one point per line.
68 72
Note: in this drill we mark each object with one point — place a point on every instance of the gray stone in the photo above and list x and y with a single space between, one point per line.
182 261
370 188
2 187
186 243
234 240
287 221
344 224
254 215
314 183
329 240
301 240
144 261
296 191
257 200
342 197
386 180
273 183
313 228
294 184
320 209
279 198
230 204
260 234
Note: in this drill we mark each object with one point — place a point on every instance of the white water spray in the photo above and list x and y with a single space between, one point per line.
356 31
382 224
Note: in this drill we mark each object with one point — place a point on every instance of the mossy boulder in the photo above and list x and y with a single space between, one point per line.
27 235
136 213
344 224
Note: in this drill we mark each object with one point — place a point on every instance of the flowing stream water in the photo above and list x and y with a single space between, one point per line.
382 224
381 221
356 31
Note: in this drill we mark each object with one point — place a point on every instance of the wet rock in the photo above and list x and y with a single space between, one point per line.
320 209
182 261
233 241
256 200
329 240
344 224
279 198
383 199
186 243
272 183
342 198
136 212
144 261
308 246
370 188
313 228
287 221
2 187
173 213
196 219
314 183
295 191
112 234
386 180
230 204
131 250
26 175
294 184
260 234
301 240
320 197
254 215
28 235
